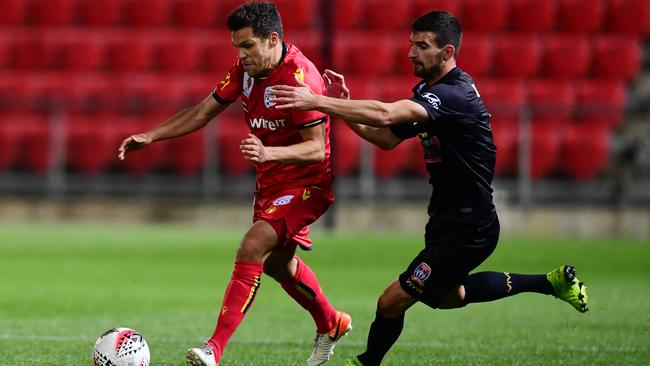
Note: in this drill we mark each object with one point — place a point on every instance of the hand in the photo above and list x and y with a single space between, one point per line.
132 143
253 149
299 97
335 84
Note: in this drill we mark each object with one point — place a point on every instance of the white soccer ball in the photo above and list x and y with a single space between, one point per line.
121 347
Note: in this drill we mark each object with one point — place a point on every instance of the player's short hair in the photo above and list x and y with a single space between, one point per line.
445 26
262 17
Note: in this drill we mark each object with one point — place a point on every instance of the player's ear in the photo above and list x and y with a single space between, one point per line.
274 39
449 51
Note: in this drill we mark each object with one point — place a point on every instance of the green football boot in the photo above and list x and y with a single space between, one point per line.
569 288
352 361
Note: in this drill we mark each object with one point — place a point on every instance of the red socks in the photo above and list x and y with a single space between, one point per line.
240 293
304 288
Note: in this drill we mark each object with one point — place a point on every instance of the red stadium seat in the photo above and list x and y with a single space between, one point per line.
504 99
82 51
6 43
143 161
551 101
53 12
484 15
629 16
581 16
585 151
347 14
217 54
387 14
231 130
31 51
35 143
354 53
129 52
13 12
309 43
9 142
601 102
397 88
566 56
545 150
517 55
196 13
391 163
475 56
91 146
346 149
532 15
17 92
154 94
177 52
626 52
148 13
362 87
421 7
297 14
505 139
101 12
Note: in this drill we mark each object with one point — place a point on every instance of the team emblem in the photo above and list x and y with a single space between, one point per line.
432 99
421 273
268 103
284 200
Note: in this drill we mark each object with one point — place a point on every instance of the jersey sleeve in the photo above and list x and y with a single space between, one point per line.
311 77
405 131
439 101
230 87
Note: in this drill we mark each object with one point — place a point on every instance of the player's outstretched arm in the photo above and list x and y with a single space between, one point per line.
366 112
186 121
380 136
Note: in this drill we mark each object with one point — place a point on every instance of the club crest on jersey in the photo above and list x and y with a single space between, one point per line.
284 200
421 273
432 99
268 103
248 85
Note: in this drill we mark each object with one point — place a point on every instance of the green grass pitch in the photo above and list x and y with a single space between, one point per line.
62 286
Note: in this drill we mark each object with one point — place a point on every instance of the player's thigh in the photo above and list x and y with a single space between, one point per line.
280 264
434 275
290 210
257 243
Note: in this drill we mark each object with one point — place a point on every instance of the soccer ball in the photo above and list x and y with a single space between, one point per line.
121 347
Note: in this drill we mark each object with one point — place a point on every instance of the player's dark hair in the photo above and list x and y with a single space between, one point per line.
445 26
262 17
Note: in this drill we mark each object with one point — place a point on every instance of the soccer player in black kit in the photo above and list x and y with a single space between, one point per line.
448 116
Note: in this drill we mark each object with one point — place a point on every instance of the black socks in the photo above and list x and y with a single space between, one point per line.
490 286
381 337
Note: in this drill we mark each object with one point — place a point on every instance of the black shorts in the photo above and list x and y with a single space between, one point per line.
447 260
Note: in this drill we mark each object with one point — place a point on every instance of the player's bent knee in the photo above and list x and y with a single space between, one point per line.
454 299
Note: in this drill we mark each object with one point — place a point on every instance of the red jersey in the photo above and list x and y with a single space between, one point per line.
279 127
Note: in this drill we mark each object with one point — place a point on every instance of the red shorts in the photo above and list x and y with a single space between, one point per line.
290 211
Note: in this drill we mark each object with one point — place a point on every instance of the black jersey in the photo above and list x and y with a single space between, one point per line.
459 151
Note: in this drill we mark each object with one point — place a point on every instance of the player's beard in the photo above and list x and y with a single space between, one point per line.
431 72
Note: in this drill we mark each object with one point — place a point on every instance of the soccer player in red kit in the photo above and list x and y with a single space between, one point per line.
290 149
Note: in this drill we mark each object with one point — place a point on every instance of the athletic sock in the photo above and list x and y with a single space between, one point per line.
239 296
304 288
382 335
490 286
